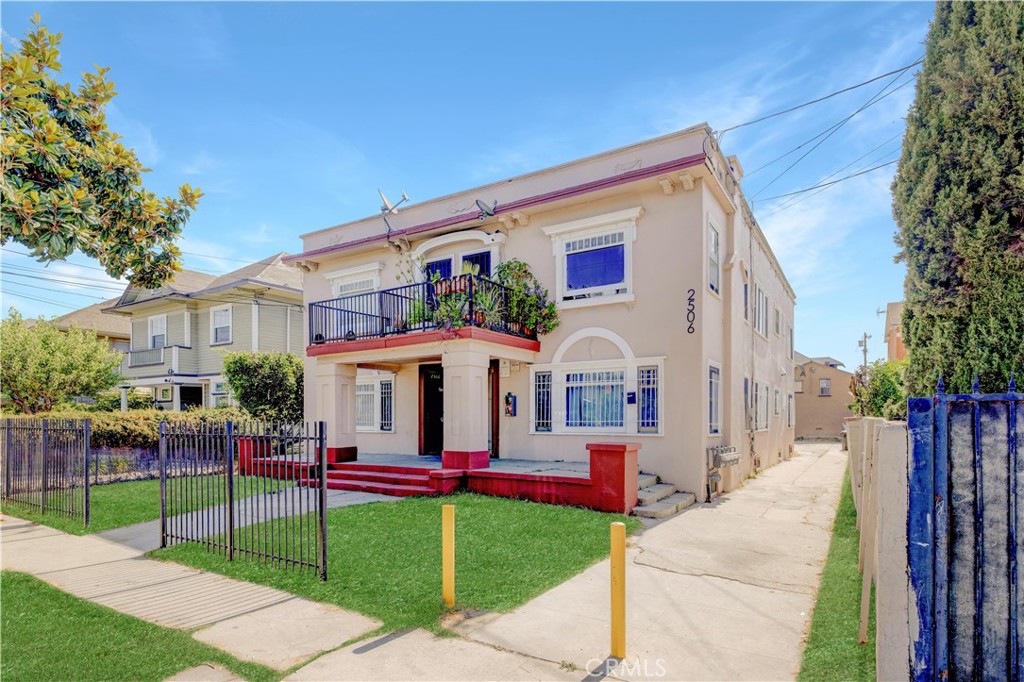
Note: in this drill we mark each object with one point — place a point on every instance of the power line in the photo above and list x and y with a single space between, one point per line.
873 100
54 273
829 184
69 283
55 291
793 202
820 99
42 300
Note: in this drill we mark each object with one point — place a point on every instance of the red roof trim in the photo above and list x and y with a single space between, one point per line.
528 202
415 338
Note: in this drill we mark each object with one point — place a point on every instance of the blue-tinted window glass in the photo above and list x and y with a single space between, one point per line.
443 268
595 268
482 259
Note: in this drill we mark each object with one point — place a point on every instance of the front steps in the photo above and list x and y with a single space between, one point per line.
659 500
379 478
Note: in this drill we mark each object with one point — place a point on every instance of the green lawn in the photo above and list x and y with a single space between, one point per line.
384 559
47 634
122 504
832 651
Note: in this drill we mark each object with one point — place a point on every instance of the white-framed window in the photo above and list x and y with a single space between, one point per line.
157 331
790 413
778 403
824 387
778 322
746 295
798 387
220 325
448 254
219 387
760 310
610 396
594 259
714 399
164 394
375 404
790 348
760 406
714 269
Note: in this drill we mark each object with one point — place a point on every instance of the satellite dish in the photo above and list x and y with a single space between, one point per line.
387 207
485 210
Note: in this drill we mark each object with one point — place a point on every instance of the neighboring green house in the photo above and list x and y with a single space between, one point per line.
180 331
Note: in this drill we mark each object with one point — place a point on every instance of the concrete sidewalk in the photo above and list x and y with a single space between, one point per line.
723 591
251 622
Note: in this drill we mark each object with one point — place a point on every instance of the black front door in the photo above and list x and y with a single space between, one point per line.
431 409
191 396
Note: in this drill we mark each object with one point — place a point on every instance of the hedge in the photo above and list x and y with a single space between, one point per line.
137 428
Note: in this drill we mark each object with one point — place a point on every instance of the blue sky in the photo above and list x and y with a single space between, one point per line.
289 116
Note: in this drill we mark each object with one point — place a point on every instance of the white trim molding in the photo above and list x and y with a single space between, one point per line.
623 222
231 327
589 332
489 241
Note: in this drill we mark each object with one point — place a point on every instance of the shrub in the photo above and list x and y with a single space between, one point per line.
266 385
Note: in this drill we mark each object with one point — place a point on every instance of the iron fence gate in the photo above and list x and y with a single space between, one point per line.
962 536
249 489
45 465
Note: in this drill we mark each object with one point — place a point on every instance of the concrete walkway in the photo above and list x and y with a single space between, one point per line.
252 622
723 591
145 536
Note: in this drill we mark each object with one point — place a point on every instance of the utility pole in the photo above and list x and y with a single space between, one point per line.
863 345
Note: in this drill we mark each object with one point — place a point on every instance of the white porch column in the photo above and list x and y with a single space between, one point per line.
334 402
465 409
124 399
176 397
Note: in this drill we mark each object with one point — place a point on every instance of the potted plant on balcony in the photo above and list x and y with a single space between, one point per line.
529 307
487 306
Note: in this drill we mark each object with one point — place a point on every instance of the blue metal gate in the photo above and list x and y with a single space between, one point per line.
962 536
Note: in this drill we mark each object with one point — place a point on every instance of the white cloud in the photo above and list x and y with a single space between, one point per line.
136 134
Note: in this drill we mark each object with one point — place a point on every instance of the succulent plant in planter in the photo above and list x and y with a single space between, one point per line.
487 306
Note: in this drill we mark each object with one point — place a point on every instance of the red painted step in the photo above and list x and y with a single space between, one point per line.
379 477
393 489
380 468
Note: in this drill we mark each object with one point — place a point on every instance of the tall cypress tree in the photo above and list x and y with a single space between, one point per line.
958 201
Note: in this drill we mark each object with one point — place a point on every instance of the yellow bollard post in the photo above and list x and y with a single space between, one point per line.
618 590
448 554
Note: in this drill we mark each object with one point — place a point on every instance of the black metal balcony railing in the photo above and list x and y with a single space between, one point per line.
461 301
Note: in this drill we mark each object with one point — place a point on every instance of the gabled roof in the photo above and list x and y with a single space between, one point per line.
801 359
93 317
269 272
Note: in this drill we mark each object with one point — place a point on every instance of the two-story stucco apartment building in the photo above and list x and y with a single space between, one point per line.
676 320
180 331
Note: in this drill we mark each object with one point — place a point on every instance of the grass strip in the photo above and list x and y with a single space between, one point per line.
833 652
48 634
115 505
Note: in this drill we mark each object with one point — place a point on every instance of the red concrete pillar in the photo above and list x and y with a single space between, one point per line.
613 471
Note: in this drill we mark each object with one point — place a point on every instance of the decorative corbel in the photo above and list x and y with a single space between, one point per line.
307 265
666 185
687 181
514 219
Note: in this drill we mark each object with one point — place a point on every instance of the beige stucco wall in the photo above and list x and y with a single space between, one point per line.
669 259
821 416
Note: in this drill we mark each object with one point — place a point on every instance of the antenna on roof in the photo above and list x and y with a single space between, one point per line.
879 312
386 207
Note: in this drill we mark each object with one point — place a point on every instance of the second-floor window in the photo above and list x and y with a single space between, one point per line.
760 310
594 258
158 331
714 271
824 387
220 325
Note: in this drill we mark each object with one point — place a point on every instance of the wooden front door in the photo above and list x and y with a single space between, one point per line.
431 409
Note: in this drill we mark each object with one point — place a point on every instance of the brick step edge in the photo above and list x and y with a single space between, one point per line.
392 489
379 477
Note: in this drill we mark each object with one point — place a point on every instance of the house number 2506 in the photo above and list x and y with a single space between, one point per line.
691 310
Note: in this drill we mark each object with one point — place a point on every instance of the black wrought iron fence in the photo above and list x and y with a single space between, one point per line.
246 489
45 465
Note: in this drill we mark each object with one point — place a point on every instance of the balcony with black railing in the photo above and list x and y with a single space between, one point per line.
446 305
